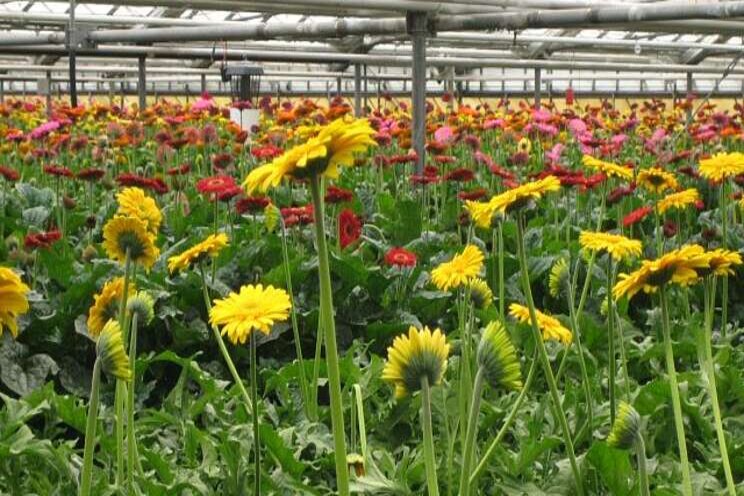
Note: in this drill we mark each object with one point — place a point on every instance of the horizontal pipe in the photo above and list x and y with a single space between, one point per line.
169 52
347 27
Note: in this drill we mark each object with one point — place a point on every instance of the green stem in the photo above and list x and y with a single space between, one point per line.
710 373
223 348
724 243
468 451
642 470
507 423
545 361
676 405
90 431
328 325
502 302
310 410
429 460
256 419
131 440
611 362
121 387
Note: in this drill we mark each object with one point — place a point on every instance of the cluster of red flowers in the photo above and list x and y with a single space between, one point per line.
180 170
430 176
297 215
45 240
461 175
266 152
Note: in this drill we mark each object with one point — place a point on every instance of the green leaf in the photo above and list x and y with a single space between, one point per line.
613 466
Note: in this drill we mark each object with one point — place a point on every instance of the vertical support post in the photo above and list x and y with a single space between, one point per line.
2 91
142 82
357 90
416 26
203 85
339 88
71 40
481 83
49 93
688 96
538 87
366 89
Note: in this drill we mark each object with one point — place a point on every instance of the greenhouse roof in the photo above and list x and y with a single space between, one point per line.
312 45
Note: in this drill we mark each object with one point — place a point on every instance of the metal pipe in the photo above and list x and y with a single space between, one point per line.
170 52
538 86
417 30
591 16
689 94
142 83
347 27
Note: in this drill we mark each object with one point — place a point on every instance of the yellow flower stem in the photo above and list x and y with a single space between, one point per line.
640 447
223 348
86 477
466 377
582 361
120 394
485 459
468 450
706 364
328 324
611 361
256 420
724 244
676 405
544 360
426 426
131 441
310 410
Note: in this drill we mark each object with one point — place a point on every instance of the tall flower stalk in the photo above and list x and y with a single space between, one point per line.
328 325
543 356
679 425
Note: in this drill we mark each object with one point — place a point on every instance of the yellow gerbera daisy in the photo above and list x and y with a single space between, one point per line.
419 354
550 327
607 168
682 266
497 357
111 352
678 200
482 213
721 262
130 233
480 293
253 308
210 247
722 166
334 145
656 180
458 271
619 247
13 301
558 278
106 304
133 202
524 145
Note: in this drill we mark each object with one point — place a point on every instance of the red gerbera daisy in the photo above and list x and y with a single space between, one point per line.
400 257
636 216
334 194
215 185
90 174
349 228
42 239
9 174
251 204
57 171
462 175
